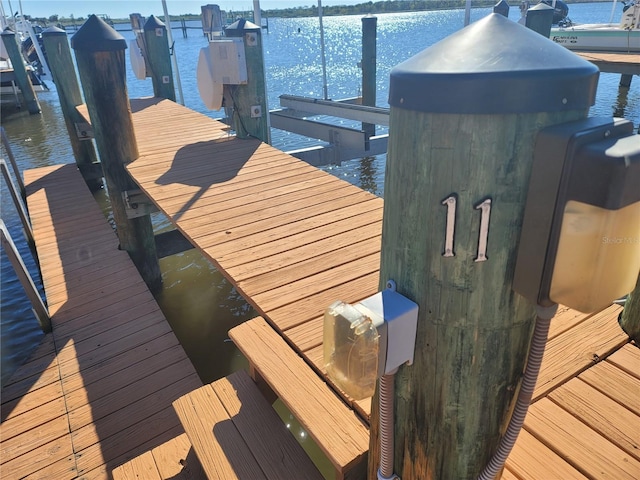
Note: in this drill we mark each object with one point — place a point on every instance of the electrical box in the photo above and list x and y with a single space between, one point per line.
228 61
580 239
372 338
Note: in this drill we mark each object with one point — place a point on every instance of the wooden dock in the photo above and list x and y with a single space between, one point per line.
98 390
292 239
623 63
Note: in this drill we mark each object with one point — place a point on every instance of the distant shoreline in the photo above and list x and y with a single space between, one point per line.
374 8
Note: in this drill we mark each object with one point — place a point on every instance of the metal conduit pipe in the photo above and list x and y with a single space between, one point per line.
534 360
385 471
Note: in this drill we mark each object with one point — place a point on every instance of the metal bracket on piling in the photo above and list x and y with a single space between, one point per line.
84 130
137 204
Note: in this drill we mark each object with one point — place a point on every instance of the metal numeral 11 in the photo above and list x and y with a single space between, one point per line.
485 209
450 203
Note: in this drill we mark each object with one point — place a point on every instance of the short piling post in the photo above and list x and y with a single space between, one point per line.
630 318
455 191
625 80
250 109
502 7
63 71
540 18
100 57
369 28
19 71
159 58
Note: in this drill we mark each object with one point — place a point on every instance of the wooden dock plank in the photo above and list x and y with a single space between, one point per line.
614 383
627 359
176 460
33 418
580 445
577 349
142 466
601 413
525 461
53 456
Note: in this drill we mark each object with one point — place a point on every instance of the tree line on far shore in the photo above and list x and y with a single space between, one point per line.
382 6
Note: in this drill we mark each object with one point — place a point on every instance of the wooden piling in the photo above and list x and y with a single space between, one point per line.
100 57
630 318
456 181
540 18
63 71
625 80
20 72
250 113
369 28
159 58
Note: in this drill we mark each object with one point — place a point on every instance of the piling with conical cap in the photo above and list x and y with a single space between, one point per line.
250 115
56 44
99 51
159 58
463 122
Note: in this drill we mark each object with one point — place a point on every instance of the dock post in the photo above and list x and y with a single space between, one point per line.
540 18
99 51
630 318
502 7
455 189
250 110
20 72
159 58
369 28
63 71
625 80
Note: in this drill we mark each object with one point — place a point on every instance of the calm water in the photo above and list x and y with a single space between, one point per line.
201 305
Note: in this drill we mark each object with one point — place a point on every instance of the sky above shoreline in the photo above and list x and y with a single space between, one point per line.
122 8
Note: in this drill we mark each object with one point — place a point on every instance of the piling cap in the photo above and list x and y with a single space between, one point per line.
54 32
96 36
152 23
242 24
540 6
8 32
494 66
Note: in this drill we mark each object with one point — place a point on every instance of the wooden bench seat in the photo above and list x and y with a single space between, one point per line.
236 434
338 431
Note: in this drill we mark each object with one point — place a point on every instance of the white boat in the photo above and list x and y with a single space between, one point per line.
603 37
33 58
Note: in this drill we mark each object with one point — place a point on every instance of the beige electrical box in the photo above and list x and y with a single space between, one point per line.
228 61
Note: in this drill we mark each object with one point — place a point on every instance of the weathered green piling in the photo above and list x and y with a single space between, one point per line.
56 44
159 58
458 166
99 51
369 29
540 18
20 72
250 113
630 318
